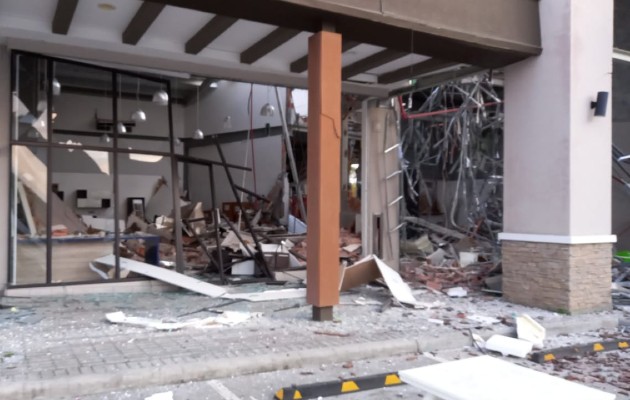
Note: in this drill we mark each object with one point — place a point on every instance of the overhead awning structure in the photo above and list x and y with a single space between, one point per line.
385 42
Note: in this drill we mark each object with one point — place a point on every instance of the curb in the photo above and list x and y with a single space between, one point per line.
227 367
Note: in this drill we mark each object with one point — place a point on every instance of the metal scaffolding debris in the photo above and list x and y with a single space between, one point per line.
455 138
452 161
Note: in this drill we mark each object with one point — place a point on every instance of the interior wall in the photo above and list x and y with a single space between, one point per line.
5 168
230 99
77 112
269 165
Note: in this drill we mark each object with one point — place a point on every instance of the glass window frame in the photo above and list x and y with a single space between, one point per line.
113 149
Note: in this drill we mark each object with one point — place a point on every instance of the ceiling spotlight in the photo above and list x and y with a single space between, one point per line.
56 87
105 138
214 84
198 135
139 116
227 122
121 128
160 97
268 110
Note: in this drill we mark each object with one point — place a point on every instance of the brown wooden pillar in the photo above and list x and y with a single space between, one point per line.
324 146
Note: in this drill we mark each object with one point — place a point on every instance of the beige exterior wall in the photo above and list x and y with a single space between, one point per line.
558 277
591 137
557 172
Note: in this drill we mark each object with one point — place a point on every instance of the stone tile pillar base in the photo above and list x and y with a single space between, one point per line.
567 278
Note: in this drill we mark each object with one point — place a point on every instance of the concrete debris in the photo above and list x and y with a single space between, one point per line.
160 396
457 292
508 346
528 329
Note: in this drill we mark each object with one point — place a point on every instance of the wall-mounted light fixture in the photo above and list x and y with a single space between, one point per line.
601 105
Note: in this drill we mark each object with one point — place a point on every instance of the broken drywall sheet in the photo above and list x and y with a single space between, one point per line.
226 318
371 268
165 275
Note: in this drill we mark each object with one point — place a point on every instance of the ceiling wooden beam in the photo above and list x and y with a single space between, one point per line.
267 44
206 35
510 33
371 62
145 16
301 64
63 16
415 70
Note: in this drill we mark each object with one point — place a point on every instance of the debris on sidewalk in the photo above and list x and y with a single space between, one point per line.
164 275
528 329
372 268
225 318
457 292
160 396
269 295
509 346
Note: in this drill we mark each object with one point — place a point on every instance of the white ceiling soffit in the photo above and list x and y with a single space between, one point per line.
96 34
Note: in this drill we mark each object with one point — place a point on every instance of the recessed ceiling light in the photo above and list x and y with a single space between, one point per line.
106 6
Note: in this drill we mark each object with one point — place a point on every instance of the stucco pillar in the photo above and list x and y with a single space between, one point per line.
323 169
5 118
557 197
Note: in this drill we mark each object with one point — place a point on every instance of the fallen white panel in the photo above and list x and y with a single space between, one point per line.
165 275
489 378
227 318
528 329
509 346
243 268
457 292
398 287
269 295
160 396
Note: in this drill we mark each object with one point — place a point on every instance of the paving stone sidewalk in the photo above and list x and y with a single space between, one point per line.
68 338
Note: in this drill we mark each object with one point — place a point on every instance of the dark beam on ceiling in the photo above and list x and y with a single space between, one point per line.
414 70
508 34
63 16
371 62
267 44
206 35
146 14
301 64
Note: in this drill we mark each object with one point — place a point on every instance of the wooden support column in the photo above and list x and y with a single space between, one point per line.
324 152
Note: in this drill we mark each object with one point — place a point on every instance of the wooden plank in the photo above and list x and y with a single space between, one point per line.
206 35
415 70
371 62
63 16
301 64
165 275
267 44
145 16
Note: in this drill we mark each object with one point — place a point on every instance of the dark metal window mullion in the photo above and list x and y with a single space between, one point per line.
49 155
115 77
177 214
13 204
